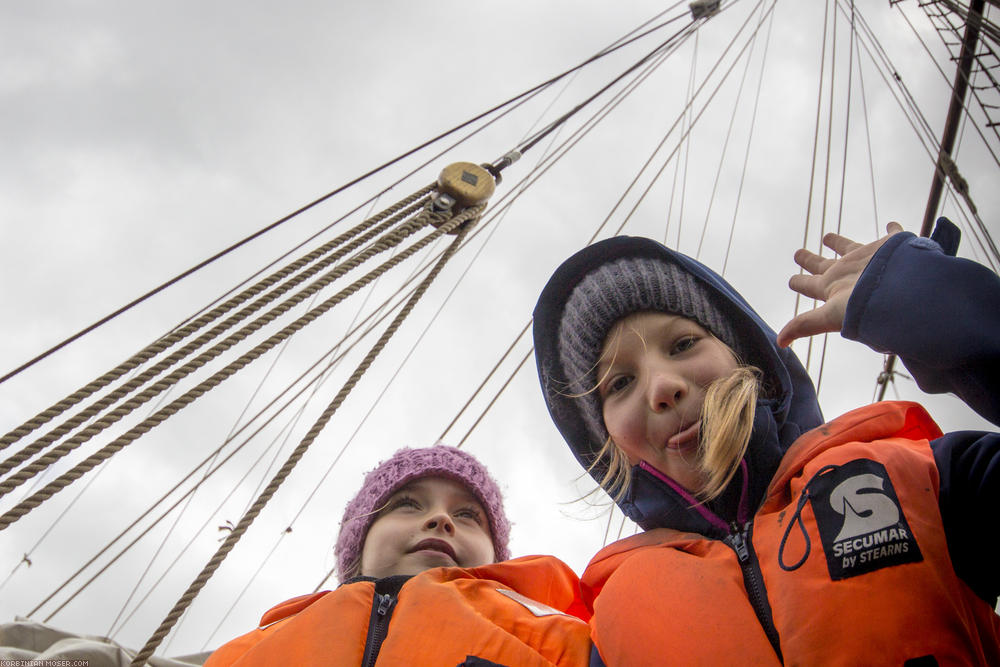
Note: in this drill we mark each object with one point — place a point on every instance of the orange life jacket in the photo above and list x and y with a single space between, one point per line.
519 612
855 570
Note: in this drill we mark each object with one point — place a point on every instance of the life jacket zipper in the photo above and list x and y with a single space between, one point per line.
753 580
378 626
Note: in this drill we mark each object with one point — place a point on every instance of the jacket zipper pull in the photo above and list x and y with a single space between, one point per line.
378 627
740 544
384 604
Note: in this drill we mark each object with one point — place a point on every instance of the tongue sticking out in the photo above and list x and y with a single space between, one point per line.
686 438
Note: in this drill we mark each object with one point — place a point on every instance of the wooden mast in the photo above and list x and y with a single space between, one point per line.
958 92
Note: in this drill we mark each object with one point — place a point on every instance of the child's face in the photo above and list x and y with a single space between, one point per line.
653 373
430 522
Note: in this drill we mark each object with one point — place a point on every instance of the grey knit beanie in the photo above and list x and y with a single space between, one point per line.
609 293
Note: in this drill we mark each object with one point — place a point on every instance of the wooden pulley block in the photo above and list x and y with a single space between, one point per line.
468 183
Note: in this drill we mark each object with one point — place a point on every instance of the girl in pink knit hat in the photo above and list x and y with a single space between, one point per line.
422 508
422 558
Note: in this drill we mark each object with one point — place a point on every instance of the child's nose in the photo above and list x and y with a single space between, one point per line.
440 521
666 390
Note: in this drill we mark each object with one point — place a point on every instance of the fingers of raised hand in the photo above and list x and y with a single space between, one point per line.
840 244
807 324
831 280
810 261
813 287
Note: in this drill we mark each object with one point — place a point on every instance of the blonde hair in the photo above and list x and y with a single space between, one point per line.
617 475
727 417
726 425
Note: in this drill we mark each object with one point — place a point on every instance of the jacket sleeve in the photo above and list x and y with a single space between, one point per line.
968 463
939 313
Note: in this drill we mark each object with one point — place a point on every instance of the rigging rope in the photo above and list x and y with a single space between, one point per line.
815 148
389 241
188 493
967 15
955 110
212 455
843 168
643 168
524 183
847 121
8 480
562 153
387 218
663 141
115 415
722 156
983 238
868 139
687 153
112 630
253 577
248 518
753 124
826 173
979 231
502 211
530 143
924 132
523 361
27 555
486 379
617 45
956 106
599 116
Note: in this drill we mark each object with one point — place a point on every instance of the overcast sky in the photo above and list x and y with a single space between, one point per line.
141 138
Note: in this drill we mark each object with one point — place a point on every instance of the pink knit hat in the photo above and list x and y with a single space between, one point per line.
404 466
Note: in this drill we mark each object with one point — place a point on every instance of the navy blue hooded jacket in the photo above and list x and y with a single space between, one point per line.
939 313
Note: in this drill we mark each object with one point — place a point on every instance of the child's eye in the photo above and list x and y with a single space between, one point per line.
404 501
470 513
683 344
617 384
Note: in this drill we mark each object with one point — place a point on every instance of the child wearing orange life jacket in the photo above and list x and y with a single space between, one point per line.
771 537
418 556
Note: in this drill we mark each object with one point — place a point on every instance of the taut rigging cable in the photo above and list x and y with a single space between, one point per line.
618 44
212 455
722 160
406 229
607 218
868 140
746 154
515 342
597 233
388 241
843 168
344 244
457 222
74 442
162 516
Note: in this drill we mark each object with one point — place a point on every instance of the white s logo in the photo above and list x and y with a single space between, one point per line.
863 512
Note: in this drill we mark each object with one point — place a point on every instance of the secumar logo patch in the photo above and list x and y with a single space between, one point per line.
860 520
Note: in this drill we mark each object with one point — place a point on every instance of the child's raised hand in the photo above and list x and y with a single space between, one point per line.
832 281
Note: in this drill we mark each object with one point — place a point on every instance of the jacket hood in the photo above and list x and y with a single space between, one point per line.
787 406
